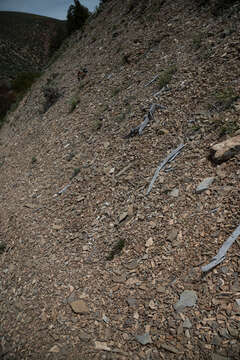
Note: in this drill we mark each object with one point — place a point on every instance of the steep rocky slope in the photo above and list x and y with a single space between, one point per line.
73 193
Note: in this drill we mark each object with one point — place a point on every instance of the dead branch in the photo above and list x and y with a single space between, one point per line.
150 82
163 90
222 251
149 116
169 158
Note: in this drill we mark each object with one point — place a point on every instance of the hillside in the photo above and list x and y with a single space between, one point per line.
93 267
26 42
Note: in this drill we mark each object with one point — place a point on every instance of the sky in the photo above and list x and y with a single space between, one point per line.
53 8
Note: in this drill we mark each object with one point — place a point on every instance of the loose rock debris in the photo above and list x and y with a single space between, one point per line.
42 263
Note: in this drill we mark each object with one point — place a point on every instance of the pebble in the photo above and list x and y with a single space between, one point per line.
131 301
187 298
122 217
144 339
223 332
79 307
187 324
216 340
174 193
204 185
173 235
169 348
219 357
54 349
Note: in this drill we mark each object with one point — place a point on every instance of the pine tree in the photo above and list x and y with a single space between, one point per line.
76 16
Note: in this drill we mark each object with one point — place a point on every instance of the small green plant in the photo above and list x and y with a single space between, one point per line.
197 41
76 171
117 249
73 104
223 125
2 247
228 128
195 128
116 91
34 160
132 5
97 124
225 98
166 76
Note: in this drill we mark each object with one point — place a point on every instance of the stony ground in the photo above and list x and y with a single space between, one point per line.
93 268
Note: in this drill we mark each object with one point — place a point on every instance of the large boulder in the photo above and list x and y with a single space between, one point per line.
225 150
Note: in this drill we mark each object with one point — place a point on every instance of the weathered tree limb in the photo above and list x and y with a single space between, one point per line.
222 251
149 116
164 89
150 82
169 158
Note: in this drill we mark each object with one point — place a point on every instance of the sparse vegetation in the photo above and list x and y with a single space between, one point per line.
197 41
166 76
2 247
73 103
34 160
97 124
224 98
51 96
223 125
217 7
117 249
132 5
76 171
24 81
115 91
28 49
228 128
10 98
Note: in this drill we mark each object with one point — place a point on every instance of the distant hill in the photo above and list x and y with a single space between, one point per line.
27 41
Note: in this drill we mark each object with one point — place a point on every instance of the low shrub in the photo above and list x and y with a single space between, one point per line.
24 81
166 76
51 96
